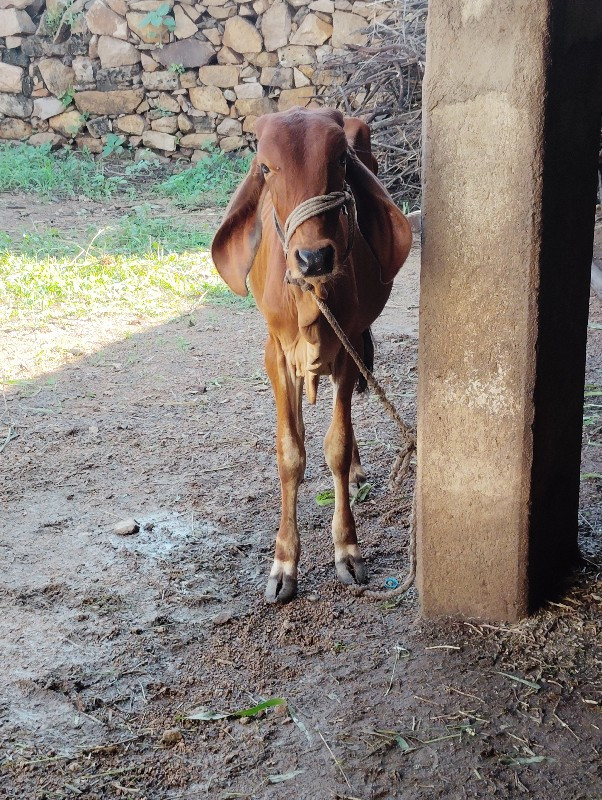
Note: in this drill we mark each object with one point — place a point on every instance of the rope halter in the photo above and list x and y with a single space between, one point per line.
313 208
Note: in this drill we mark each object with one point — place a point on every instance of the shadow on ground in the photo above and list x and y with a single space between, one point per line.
109 641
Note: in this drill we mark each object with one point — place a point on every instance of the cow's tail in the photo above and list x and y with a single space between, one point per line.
368 359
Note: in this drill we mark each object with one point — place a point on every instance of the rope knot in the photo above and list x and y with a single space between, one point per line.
314 206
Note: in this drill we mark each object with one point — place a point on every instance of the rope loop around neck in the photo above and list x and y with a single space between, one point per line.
312 208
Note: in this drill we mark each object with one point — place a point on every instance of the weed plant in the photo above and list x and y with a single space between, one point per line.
209 183
145 263
24 168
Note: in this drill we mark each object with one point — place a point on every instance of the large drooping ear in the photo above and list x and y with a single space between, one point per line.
382 224
358 137
237 239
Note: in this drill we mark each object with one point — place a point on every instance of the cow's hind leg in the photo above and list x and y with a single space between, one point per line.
339 449
357 474
282 583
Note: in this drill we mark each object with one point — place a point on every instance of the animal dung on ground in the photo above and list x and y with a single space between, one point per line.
171 737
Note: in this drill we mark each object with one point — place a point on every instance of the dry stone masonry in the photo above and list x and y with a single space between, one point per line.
173 76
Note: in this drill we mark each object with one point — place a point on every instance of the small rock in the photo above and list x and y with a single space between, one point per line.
160 79
276 26
255 107
199 141
103 20
313 31
131 123
14 21
221 75
126 527
46 107
188 52
160 141
16 105
313 598
119 101
14 128
185 27
171 737
116 52
295 97
151 34
51 138
57 77
242 36
348 29
222 618
11 78
68 124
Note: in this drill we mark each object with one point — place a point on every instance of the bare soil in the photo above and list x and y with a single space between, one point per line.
108 642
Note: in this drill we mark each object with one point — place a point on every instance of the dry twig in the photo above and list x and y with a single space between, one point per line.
381 82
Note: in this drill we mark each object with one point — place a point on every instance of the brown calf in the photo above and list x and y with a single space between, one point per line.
303 154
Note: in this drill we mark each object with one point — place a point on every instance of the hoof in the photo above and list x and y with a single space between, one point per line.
357 478
280 588
351 569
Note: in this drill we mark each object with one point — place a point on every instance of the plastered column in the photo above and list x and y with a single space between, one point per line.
512 119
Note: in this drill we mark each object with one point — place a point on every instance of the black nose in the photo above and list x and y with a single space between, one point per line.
316 262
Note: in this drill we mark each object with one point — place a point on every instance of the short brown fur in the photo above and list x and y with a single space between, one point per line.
301 154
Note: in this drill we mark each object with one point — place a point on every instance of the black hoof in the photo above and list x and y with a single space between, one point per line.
352 570
280 589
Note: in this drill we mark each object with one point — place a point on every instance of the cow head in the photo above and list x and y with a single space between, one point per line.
303 154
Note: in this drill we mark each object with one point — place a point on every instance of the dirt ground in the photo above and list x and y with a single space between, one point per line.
108 642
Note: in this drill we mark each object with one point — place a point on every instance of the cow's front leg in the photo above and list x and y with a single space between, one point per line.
339 450
288 390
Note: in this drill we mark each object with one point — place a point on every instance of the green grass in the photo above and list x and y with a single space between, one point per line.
147 263
65 174
209 183
24 168
138 233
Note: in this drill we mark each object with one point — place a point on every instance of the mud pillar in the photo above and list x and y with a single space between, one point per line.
512 122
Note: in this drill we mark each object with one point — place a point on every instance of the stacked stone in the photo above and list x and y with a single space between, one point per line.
176 76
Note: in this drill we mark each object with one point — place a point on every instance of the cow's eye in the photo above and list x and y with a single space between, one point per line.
265 169
343 159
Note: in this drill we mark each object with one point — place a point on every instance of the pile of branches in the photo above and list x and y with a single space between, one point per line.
381 82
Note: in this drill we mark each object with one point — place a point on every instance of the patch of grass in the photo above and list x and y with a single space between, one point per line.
137 234
143 263
26 168
142 232
209 183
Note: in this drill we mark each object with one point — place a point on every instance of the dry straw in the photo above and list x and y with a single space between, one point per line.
382 84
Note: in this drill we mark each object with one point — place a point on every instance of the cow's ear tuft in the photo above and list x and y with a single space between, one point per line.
237 238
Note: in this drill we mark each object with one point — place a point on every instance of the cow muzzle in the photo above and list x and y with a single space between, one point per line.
318 261
315 263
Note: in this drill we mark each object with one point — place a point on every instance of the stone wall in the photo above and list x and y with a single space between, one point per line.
174 76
